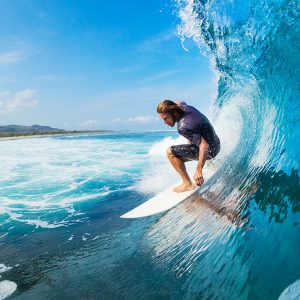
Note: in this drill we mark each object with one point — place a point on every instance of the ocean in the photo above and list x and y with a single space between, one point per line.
61 235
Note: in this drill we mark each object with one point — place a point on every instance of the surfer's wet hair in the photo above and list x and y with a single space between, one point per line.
168 106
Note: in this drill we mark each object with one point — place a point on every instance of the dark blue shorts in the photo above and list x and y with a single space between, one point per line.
188 152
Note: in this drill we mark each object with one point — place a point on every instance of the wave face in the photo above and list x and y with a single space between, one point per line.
254 48
240 239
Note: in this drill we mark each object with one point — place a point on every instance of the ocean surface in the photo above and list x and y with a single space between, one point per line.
61 235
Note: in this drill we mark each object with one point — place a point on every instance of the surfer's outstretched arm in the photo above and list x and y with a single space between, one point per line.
203 150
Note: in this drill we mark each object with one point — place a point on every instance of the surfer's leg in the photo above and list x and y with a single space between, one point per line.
179 166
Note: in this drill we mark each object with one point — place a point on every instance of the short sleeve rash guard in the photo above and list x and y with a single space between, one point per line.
193 125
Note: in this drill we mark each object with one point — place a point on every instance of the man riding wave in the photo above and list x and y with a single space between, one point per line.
203 142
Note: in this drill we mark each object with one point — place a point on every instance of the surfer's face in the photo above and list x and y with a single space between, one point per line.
167 118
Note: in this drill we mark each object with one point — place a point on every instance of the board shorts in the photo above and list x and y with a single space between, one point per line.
188 152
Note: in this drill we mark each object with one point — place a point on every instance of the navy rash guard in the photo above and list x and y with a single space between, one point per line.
193 125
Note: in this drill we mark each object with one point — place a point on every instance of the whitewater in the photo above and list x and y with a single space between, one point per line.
61 197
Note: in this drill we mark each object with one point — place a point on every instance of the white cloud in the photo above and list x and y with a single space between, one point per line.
90 123
11 57
22 99
49 77
143 119
4 93
138 119
116 120
143 99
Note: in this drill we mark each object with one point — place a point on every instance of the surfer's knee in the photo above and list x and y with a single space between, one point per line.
169 152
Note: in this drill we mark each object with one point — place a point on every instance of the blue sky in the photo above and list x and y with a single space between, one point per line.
96 64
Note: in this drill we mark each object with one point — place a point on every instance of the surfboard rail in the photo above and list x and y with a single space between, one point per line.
159 203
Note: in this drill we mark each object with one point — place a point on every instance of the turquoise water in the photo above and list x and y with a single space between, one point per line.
62 235
61 197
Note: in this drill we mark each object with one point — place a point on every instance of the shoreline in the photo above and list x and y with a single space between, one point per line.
25 136
37 135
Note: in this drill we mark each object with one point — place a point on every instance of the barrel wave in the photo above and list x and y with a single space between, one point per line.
254 50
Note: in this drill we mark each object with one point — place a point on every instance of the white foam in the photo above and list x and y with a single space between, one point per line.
159 148
4 268
39 176
190 23
7 288
292 292
228 125
44 224
160 174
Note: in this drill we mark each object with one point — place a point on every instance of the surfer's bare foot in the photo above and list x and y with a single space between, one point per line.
184 187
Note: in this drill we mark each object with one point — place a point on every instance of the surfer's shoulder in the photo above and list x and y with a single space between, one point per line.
181 104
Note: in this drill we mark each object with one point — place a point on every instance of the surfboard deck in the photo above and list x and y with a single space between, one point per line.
159 203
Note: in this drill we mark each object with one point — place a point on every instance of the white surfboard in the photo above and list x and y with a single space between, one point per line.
159 203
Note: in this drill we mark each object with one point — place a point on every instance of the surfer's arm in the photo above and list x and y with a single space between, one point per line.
203 150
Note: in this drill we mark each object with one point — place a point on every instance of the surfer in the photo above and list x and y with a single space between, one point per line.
203 142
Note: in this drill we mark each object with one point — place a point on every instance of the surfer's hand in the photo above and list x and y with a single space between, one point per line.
198 178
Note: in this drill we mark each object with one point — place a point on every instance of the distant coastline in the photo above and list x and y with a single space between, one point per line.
17 135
